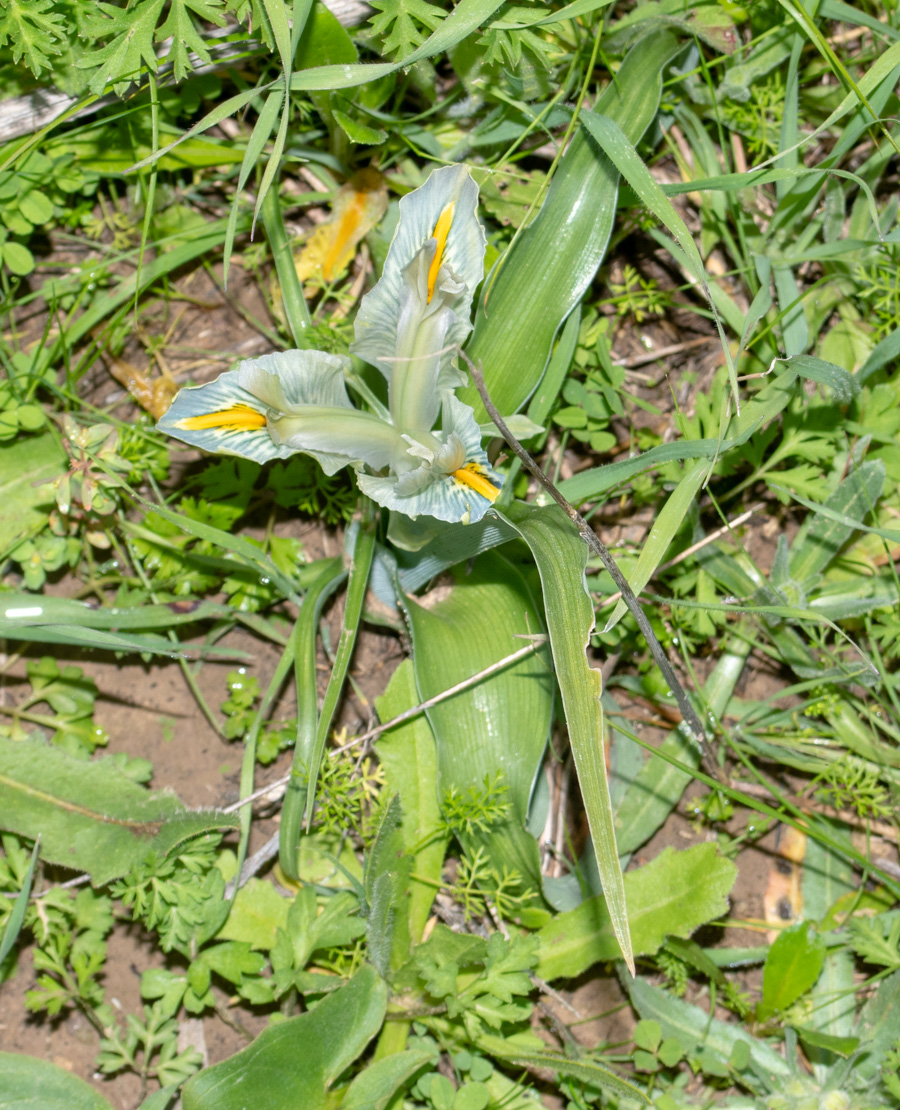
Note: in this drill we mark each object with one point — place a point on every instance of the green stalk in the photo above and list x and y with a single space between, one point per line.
304 650
295 309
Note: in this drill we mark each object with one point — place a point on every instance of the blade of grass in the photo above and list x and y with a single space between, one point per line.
241 548
296 310
248 762
17 914
667 523
259 136
465 18
619 148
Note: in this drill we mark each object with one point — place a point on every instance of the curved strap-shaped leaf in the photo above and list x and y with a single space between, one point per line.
561 557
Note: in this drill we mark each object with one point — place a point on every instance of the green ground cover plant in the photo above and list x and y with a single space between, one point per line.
654 243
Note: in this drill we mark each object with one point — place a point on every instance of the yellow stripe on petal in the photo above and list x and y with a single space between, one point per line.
441 231
470 476
239 418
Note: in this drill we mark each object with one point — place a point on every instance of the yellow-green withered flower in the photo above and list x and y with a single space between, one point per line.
410 327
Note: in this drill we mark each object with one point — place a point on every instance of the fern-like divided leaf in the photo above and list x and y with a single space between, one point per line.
130 36
33 32
405 24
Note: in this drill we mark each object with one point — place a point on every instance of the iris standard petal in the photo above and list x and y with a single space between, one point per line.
418 313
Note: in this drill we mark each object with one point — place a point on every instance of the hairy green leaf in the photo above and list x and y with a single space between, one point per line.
90 815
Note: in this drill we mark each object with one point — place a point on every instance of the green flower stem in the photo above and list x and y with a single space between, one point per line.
363 551
295 308
304 648
248 763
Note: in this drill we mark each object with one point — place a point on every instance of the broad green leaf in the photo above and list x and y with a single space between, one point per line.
26 466
293 1064
307 929
374 1088
879 1026
257 913
358 132
832 1009
792 966
547 270
324 40
451 545
386 880
827 873
408 756
671 896
466 17
500 726
667 523
26 1081
829 1042
843 384
561 557
90 816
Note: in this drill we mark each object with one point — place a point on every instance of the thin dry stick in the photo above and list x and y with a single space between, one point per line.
407 715
506 661
691 720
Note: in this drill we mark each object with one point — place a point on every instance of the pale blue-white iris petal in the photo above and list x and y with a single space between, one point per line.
302 405
398 323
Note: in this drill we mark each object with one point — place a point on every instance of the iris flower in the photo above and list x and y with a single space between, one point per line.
410 326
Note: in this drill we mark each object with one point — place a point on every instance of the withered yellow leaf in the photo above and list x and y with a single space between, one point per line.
358 206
